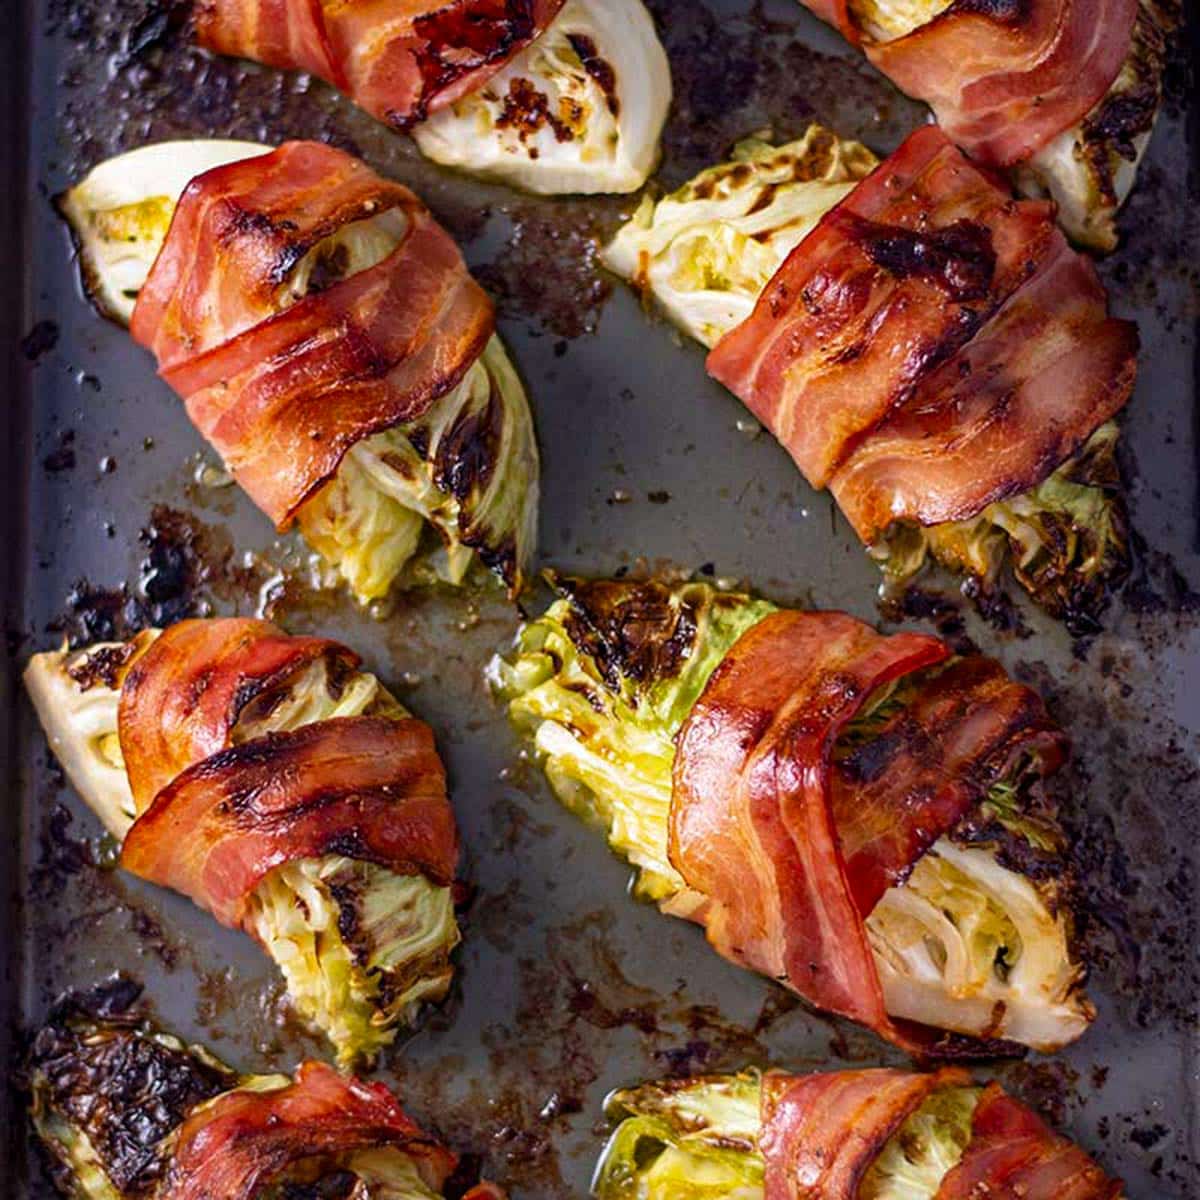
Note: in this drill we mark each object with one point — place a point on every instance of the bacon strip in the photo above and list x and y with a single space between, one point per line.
929 766
1014 1155
367 787
183 697
1003 77
932 346
280 390
401 60
244 1141
751 827
821 1133
788 851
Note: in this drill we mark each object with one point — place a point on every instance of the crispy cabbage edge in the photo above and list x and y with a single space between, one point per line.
705 252
1067 539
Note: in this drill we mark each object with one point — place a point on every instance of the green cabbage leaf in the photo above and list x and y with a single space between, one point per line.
603 682
468 470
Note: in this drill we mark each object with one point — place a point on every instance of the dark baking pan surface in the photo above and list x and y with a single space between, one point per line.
567 988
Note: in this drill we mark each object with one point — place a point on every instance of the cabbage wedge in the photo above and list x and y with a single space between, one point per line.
699 1137
416 503
361 948
580 109
108 1095
705 253
602 683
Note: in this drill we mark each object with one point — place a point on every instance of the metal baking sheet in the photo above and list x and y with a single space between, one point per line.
566 987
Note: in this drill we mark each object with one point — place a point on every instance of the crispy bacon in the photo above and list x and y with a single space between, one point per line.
244 1141
182 698
789 852
932 346
1003 77
368 787
930 765
401 60
820 1133
751 824
1014 1155
283 391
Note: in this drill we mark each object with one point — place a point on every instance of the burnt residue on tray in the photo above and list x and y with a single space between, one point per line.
733 77
186 565
582 1012
548 268
1128 789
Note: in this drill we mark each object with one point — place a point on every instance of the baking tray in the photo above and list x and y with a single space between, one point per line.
566 987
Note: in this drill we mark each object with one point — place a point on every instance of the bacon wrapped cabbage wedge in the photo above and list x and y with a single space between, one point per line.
849 1135
928 349
860 818
328 342
128 1112
282 788
553 96
1063 92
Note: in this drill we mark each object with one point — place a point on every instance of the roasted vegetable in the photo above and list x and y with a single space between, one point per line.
361 948
603 682
128 1112
705 254
700 1137
1067 539
106 1095
1089 168
466 469
578 110
706 251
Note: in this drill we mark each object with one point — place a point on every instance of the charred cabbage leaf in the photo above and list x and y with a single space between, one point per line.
109 1095
970 943
412 504
919 1155
579 110
1067 539
705 252
361 948
603 682
105 1096
699 1137
468 469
